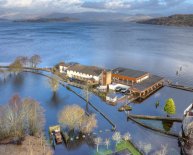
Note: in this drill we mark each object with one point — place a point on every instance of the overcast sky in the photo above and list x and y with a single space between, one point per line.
36 7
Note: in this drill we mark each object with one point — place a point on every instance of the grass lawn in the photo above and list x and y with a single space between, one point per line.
127 145
105 152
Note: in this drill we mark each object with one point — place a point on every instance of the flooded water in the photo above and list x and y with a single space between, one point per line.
158 49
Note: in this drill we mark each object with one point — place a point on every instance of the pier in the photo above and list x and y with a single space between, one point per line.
181 87
158 118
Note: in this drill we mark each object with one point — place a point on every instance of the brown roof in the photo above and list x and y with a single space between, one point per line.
153 79
91 70
128 72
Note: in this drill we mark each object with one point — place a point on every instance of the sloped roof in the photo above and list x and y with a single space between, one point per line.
91 70
128 72
153 79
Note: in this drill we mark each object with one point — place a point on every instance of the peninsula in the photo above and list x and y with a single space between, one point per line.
174 20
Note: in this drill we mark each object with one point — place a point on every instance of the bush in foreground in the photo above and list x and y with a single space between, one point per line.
19 118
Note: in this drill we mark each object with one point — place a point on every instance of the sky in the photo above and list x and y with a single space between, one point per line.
40 7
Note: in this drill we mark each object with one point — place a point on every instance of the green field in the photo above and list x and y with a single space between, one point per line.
127 145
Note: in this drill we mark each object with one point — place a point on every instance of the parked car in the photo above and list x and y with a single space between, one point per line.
118 89
124 90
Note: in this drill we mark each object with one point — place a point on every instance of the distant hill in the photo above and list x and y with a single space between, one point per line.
85 17
174 20
49 19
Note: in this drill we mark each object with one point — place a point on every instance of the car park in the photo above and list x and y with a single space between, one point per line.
118 89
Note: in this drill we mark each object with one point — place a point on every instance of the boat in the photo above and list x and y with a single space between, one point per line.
189 111
55 135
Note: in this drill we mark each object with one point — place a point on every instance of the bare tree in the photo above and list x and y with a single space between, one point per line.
17 116
147 148
98 141
54 84
116 137
35 60
107 142
127 136
162 151
88 124
71 116
34 116
86 94
24 60
144 147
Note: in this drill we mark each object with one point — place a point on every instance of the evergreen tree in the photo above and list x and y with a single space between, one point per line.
170 107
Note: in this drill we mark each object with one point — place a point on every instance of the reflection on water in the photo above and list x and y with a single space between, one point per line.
167 125
34 86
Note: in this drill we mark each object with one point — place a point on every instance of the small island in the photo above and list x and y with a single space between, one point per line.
47 19
174 20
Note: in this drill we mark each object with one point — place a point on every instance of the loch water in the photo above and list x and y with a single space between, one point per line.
161 50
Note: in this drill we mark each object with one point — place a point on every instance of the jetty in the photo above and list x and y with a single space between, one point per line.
153 128
158 118
177 86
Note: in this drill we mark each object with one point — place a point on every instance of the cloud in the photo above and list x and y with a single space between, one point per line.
116 4
38 3
163 7
138 6
17 3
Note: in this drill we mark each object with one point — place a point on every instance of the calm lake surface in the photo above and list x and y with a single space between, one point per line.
158 49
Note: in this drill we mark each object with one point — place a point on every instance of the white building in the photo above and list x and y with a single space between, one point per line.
62 67
111 97
85 72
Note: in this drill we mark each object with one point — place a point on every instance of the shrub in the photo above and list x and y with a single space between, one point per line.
74 117
170 107
20 117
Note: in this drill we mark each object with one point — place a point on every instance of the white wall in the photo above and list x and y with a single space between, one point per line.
108 98
62 69
71 73
142 79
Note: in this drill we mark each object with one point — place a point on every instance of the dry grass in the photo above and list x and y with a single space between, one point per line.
30 146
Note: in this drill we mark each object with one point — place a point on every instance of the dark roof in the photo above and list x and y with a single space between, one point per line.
153 79
128 72
91 70
66 64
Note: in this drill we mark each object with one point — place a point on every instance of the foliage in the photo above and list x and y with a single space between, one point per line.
35 60
23 60
157 104
53 83
86 92
68 88
127 145
127 136
71 116
74 117
170 107
162 151
16 66
167 125
88 123
116 137
21 117
145 147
